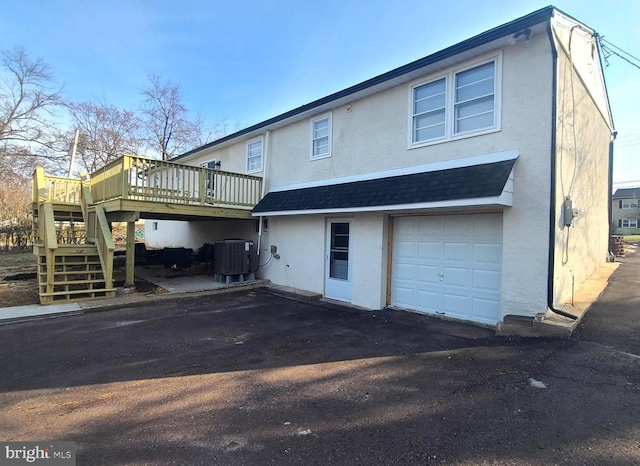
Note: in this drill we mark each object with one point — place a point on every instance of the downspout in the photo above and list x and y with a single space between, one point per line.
552 206
614 135
265 165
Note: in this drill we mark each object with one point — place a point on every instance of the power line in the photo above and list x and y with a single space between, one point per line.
608 50
618 48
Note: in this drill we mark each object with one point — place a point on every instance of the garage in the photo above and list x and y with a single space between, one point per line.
448 265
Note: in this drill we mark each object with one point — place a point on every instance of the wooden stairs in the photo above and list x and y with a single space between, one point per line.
77 275
73 244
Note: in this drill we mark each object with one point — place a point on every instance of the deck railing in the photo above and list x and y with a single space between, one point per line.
98 232
142 179
55 189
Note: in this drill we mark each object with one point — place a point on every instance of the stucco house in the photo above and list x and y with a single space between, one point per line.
473 183
626 211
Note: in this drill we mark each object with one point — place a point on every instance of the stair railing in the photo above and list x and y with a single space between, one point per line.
47 234
97 229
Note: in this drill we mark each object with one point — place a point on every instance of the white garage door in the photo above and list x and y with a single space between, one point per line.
448 265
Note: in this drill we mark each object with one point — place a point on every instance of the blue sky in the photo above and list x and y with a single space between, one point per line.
246 61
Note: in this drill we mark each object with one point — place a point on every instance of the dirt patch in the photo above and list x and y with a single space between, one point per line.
19 285
20 279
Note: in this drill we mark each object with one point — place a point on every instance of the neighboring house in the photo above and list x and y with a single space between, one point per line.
473 183
626 211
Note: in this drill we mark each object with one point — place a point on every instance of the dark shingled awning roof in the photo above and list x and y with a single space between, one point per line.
476 181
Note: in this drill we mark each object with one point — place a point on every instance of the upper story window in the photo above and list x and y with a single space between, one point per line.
475 98
212 164
254 156
457 104
321 137
429 110
629 204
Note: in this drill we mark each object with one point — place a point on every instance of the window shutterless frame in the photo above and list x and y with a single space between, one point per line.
254 155
321 137
460 103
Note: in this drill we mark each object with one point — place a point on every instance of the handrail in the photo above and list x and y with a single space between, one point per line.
144 179
54 188
48 227
48 236
97 230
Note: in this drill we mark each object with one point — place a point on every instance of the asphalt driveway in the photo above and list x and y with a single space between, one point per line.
253 378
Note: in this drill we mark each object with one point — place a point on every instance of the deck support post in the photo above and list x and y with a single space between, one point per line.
131 255
130 258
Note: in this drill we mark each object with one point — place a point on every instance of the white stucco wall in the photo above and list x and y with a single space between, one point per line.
300 243
371 135
583 136
171 233
369 252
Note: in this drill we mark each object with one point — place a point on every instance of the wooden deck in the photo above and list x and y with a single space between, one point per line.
155 189
166 190
125 190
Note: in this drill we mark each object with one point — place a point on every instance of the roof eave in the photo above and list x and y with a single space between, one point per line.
537 17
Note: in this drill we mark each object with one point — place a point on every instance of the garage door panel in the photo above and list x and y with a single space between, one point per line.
485 310
458 251
488 280
456 305
459 226
429 274
490 253
430 250
404 295
449 264
430 227
428 301
457 276
404 271
405 249
405 227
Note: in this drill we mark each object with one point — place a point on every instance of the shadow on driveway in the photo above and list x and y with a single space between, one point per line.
216 334
253 378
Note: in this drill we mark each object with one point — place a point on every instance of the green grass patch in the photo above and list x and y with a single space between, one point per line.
632 239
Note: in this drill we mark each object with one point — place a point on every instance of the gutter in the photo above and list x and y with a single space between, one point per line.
552 205
614 135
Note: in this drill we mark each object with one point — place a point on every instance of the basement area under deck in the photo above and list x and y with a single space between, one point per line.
132 188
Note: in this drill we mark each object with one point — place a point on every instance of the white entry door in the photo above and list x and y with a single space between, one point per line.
449 265
338 260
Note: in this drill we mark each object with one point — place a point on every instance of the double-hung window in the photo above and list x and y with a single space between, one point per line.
254 156
629 223
429 111
321 137
459 103
475 98
629 203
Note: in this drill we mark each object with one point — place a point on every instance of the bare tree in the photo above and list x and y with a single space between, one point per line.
15 207
106 133
168 130
27 102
